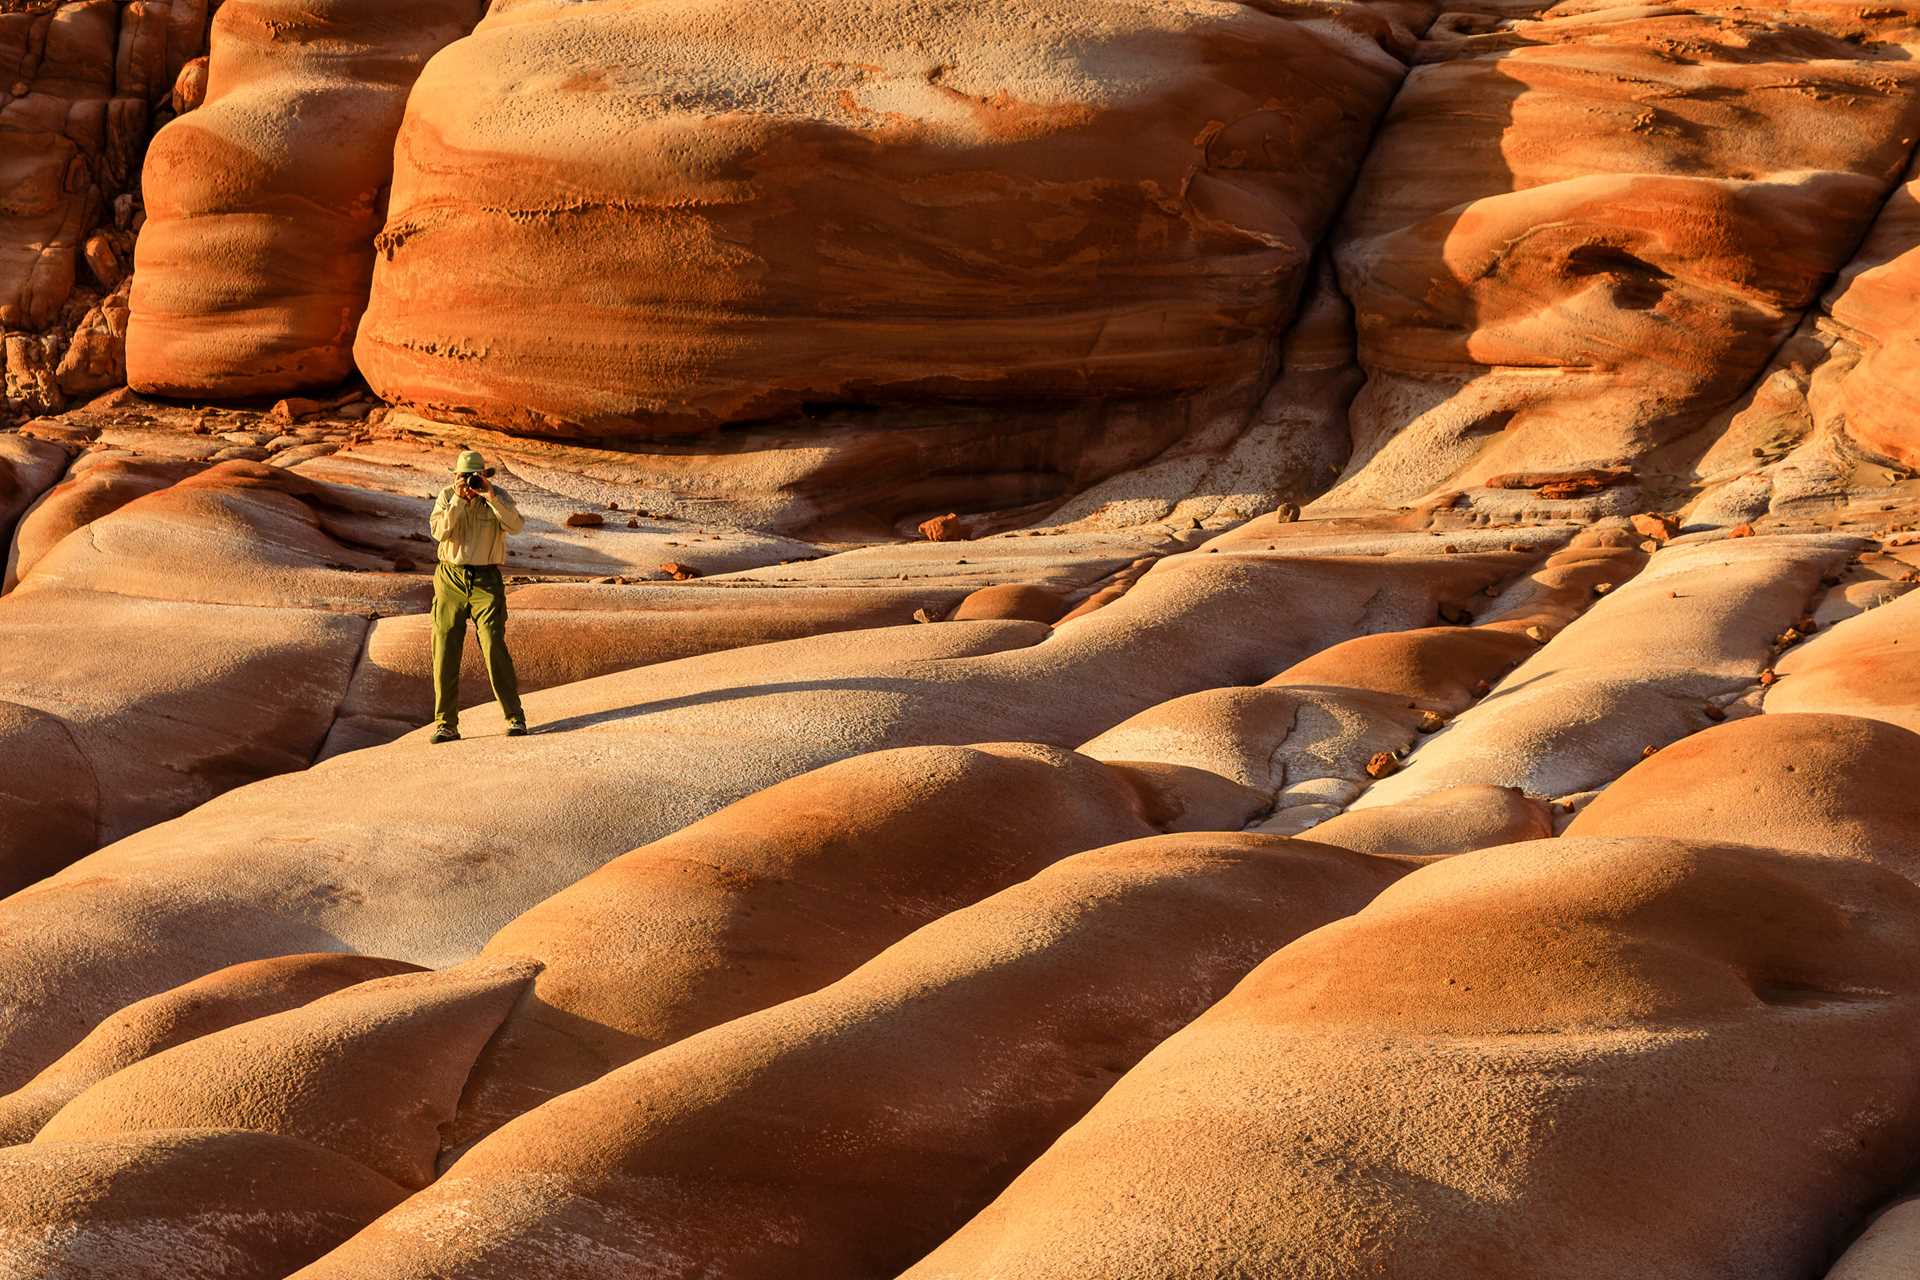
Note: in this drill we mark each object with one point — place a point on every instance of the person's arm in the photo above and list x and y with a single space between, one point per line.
503 509
448 515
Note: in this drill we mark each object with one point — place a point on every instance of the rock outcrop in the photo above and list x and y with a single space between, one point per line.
756 210
923 1080
263 203
1587 1057
79 83
1231 638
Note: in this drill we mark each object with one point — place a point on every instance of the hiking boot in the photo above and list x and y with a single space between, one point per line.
515 729
444 733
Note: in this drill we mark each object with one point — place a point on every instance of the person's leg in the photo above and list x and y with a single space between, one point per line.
490 624
450 608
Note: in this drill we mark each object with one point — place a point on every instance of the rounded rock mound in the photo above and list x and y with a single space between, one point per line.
625 217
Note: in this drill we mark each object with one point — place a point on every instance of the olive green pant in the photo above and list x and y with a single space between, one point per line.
462 591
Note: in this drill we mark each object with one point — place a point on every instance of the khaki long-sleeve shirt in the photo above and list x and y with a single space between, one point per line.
474 532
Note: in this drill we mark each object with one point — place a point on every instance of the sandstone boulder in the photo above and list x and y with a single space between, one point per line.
262 205
660 243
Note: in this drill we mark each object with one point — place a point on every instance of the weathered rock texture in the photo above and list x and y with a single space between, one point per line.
79 81
262 204
1584 232
1001 479
757 209
1476 1066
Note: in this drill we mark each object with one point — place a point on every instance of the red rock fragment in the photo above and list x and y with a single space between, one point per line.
190 86
585 520
1431 722
1656 526
679 572
295 408
1564 484
945 528
1382 764
1740 531
1768 677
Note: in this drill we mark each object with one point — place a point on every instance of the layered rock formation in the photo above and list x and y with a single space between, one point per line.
79 80
263 203
758 209
1525 303
1223 639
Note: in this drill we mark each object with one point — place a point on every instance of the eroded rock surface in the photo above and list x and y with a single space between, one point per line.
995 475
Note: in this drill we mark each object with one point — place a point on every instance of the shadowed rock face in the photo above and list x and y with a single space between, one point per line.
252 269
757 209
78 82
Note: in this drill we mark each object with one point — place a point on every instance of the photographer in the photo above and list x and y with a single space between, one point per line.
471 519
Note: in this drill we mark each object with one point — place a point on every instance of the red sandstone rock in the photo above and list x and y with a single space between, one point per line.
190 86
1058 198
956 1055
78 80
1831 785
1570 246
1658 527
209 1202
947 528
1015 601
776 896
284 168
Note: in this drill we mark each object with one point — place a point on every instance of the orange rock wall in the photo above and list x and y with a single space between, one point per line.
252 269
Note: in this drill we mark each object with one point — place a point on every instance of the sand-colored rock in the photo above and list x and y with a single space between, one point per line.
220 1000
629 757
846 1132
222 1204
1868 665
28 468
1822 784
1582 1057
370 1072
562 633
659 244
1641 668
774 896
1569 246
1457 820
262 204
97 485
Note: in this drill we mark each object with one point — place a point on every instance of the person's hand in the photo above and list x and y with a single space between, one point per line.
464 491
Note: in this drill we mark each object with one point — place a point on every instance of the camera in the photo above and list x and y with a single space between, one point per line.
474 480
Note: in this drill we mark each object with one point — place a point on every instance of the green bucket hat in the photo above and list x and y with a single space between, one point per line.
471 462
